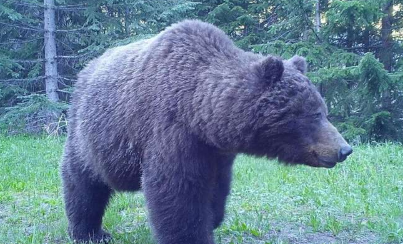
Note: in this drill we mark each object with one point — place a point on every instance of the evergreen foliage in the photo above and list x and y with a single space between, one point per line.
355 53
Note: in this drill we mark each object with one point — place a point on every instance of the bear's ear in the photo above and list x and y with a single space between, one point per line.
270 69
298 63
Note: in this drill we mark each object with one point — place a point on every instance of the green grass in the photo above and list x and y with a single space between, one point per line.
359 201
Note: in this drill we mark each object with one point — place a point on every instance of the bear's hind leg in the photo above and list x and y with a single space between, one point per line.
85 201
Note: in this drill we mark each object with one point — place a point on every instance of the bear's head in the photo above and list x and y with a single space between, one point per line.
292 122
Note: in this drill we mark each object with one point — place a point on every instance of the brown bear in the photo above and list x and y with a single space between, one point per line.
169 114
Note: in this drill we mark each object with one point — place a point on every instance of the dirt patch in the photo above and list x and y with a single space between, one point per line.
295 233
3 215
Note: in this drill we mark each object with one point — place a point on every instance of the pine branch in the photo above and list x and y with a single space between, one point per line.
24 79
64 91
28 5
68 79
27 61
22 27
74 56
17 41
64 8
73 30
72 5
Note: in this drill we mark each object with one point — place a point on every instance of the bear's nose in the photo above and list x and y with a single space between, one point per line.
344 152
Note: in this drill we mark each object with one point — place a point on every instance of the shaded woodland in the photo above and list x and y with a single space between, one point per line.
354 49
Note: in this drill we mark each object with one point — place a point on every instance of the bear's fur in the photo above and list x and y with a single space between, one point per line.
168 115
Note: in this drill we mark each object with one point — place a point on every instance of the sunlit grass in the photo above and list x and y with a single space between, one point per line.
359 201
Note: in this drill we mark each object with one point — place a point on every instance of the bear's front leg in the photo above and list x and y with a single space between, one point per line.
221 188
178 190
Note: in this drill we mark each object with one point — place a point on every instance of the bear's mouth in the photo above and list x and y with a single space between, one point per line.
315 161
326 162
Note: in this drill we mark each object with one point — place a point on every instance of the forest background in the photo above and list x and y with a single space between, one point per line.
354 49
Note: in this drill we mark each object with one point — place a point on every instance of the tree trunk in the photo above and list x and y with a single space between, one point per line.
366 40
127 18
318 24
350 37
386 52
51 74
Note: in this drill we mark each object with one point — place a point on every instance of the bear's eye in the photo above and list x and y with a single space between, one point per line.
317 115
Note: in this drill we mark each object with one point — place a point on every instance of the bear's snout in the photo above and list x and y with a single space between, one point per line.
330 148
344 152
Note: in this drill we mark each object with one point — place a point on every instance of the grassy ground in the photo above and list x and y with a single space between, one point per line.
359 201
